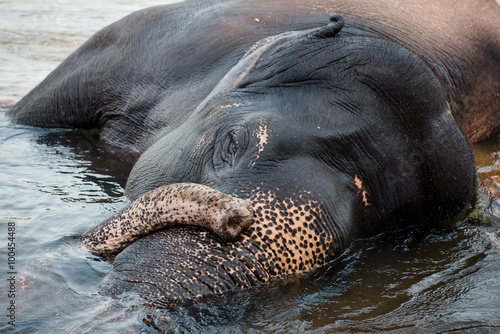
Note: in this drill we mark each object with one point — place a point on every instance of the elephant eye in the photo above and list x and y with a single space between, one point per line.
230 149
233 144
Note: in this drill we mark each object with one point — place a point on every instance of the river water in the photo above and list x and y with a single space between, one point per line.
55 185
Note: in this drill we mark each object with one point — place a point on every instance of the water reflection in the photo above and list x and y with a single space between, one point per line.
57 184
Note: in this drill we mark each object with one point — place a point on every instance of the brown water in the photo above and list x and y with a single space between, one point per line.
55 185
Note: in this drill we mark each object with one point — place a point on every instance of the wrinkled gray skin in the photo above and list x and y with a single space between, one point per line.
330 132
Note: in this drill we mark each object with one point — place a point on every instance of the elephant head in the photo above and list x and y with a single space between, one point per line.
325 137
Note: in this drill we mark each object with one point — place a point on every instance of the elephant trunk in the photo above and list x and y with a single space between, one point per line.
172 205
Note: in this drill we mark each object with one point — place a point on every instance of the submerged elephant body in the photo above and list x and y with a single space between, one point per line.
332 131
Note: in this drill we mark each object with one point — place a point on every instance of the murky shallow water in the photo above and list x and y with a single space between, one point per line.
55 185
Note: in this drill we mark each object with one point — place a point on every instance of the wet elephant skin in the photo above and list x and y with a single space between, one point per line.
331 131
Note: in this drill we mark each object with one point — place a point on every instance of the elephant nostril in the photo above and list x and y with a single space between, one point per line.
238 221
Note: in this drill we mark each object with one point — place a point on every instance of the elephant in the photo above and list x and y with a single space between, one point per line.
267 136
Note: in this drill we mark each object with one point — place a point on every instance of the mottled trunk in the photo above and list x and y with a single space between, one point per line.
173 205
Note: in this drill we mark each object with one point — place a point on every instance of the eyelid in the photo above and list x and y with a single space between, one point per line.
234 141
231 145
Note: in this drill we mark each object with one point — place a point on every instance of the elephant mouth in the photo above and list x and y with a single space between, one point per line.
182 204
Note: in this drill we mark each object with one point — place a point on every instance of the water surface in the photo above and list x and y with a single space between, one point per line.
57 184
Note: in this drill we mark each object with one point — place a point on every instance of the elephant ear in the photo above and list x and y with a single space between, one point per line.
337 78
331 30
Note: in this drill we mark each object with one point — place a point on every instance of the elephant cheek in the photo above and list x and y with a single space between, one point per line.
292 232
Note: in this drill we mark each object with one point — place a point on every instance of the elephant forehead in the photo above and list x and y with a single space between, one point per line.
291 231
203 142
